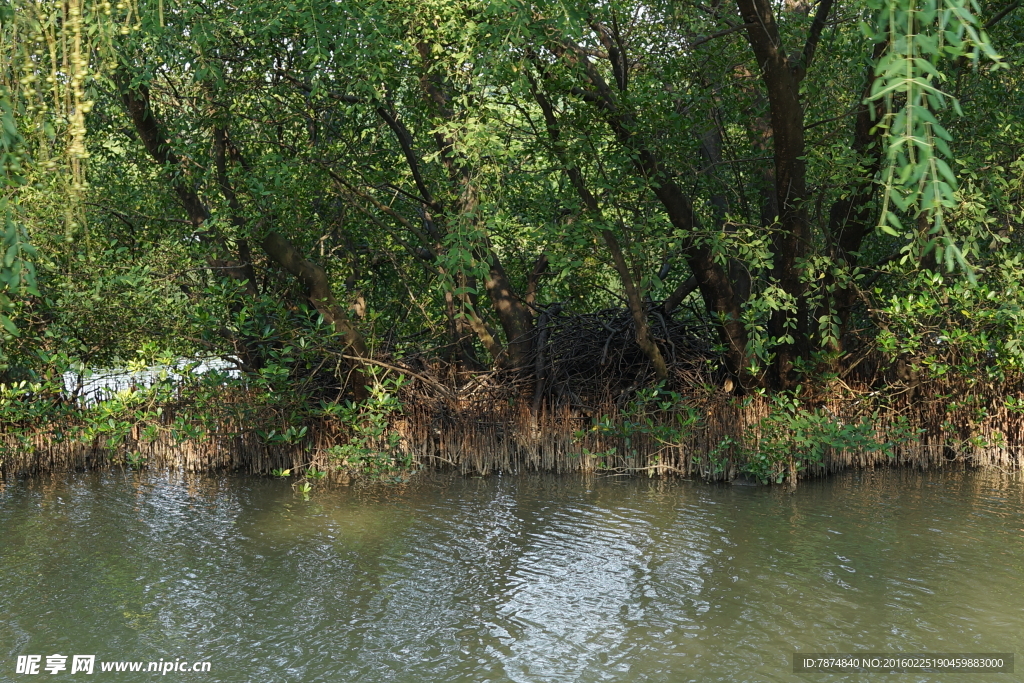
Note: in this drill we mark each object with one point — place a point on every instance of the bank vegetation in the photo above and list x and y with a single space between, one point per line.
757 240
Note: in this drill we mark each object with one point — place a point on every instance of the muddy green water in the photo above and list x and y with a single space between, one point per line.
529 578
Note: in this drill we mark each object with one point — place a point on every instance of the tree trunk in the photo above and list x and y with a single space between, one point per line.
318 288
850 217
782 75
633 298
279 249
515 318
712 280
147 126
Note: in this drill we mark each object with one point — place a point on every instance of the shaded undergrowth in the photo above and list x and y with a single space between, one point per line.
589 404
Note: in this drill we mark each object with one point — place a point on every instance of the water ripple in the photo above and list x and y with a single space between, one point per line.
509 579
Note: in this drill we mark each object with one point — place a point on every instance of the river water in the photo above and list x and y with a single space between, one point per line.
531 578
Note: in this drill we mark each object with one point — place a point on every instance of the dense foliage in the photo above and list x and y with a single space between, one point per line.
303 186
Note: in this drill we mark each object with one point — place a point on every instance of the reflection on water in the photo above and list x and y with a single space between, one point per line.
526 579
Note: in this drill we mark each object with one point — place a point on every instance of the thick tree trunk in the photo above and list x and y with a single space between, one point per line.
782 75
516 319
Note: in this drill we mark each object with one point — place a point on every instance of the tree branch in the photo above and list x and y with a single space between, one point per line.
405 141
814 35
718 34
681 292
539 268
1001 14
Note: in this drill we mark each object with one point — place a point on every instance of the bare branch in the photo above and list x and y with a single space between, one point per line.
814 35
718 34
405 141
1001 14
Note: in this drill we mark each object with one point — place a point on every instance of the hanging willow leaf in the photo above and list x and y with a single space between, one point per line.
922 36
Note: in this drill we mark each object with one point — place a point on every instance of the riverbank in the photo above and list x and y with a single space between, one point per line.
483 428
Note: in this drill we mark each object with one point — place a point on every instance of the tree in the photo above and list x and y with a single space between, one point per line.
450 172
